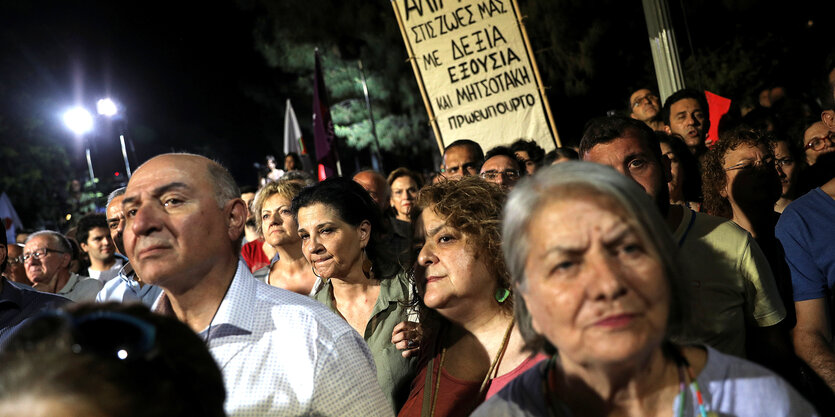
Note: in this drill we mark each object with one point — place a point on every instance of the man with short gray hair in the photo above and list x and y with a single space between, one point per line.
46 257
281 353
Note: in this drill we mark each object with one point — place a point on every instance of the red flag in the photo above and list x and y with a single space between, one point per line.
323 135
718 106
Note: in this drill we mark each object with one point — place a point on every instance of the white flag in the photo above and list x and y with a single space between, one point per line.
293 137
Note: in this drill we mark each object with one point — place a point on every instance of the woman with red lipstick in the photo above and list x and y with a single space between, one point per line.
462 282
597 273
340 226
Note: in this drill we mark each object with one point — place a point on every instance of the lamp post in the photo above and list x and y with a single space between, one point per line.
79 121
106 107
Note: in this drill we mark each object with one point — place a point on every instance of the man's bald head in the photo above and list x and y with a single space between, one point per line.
376 185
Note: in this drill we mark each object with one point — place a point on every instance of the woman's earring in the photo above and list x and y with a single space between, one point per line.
502 294
367 266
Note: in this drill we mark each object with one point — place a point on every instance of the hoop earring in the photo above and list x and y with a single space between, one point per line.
502 294
312 268
367 266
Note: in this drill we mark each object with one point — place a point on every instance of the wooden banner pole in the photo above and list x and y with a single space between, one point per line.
536 73
416 69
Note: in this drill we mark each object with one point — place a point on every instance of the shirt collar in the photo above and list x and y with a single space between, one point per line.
70 284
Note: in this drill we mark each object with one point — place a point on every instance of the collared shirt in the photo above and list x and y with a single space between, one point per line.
80 288
282 353
125 289
17 303
109 274
394 372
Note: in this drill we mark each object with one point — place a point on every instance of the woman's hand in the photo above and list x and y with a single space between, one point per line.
406 337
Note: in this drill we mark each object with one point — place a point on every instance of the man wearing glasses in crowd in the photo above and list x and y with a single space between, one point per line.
46 257
644 105
501 167
17 302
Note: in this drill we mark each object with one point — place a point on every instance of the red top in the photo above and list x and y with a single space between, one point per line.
457 397
254 255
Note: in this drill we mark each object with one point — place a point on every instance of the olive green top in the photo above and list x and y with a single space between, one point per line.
394 372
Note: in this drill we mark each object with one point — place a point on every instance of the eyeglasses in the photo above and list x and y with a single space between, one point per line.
109 334
40 253
649 97
818 144
746 165
510 174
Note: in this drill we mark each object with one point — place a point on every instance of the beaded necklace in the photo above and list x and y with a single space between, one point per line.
685 371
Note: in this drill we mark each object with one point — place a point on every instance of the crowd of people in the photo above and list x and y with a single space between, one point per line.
641 273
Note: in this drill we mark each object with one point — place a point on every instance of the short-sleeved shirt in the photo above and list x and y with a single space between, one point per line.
730 387
394 372
807 231
729 282
18 303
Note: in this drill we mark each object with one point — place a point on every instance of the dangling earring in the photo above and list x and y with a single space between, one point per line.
502 294
367 266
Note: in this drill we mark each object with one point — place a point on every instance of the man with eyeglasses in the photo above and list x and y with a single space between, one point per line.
46 257
462 158
817 140
281 353
14 270
19 302
501 167
733 294
644 105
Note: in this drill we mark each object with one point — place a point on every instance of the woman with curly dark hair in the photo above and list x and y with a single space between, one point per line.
740 181
463 283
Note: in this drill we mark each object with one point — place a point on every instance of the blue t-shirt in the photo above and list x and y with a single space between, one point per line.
807 232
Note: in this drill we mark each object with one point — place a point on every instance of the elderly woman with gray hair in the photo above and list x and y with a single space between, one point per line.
597 276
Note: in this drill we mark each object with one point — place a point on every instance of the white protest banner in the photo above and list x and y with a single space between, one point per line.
476 71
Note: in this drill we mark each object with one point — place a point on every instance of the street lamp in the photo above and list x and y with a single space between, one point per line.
79 120
106 107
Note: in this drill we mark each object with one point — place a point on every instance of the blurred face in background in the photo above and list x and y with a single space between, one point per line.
403 194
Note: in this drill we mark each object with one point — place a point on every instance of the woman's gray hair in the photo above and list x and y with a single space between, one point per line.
565 181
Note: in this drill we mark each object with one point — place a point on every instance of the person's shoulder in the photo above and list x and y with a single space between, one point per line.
732 380
522 396
87 282
719 231
297 310
33 296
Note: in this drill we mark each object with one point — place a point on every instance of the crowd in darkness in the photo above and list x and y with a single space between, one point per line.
644 272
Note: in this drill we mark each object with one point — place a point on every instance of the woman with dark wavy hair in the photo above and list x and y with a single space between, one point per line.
462 283
340 227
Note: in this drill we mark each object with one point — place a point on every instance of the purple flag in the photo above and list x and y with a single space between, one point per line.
323 136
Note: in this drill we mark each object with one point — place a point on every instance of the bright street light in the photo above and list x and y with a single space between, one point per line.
78 120
106 107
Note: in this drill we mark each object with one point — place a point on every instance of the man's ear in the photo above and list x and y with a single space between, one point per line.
668 130
67 260
236 213
828 118
666 165
83 246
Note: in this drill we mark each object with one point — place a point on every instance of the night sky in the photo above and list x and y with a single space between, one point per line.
182 69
